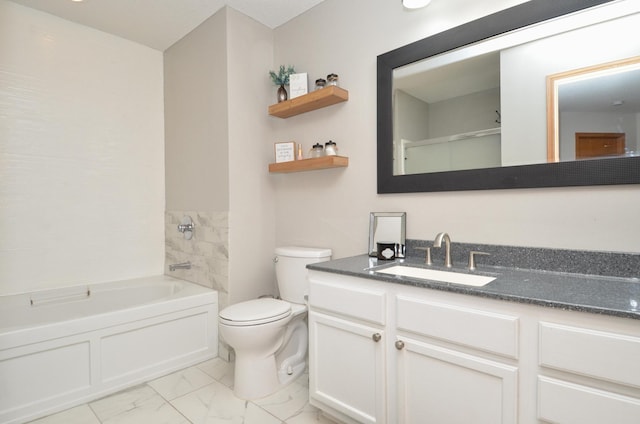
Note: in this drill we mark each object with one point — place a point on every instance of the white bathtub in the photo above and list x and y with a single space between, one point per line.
64 347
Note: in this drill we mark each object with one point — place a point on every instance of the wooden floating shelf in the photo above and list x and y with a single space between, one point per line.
324 162
307 102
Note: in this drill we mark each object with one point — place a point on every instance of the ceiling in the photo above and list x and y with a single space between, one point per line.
160 23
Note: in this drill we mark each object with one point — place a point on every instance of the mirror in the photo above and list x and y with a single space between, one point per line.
387 227
494 70
593 112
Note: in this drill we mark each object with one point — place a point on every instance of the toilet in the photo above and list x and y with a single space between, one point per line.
270 336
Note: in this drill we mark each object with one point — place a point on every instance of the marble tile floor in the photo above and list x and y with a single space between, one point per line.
201 394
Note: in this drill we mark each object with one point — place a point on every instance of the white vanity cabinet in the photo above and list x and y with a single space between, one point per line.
587 375
396 354
454 364
377 355
347 339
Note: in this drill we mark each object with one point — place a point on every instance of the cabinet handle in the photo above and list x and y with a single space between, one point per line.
376 337
399 344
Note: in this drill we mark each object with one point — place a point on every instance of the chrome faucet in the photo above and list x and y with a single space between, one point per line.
183 265
447 247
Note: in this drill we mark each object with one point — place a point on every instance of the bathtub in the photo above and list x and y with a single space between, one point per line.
64 347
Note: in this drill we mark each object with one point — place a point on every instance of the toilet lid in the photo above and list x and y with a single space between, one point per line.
257 311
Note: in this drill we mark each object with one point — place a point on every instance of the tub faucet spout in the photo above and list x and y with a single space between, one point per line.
183 265
447 247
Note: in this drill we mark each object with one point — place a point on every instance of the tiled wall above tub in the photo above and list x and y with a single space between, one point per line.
208 250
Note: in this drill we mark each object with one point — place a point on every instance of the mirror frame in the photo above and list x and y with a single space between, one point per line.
622 170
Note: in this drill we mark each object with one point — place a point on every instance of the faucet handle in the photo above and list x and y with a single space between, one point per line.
427 259
472 259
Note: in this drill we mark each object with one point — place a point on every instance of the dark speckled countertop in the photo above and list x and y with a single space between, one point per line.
598 294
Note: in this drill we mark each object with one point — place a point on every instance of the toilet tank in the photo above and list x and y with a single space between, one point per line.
291 270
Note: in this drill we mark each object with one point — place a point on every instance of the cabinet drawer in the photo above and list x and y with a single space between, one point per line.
567 403
482 330
357 302
604 355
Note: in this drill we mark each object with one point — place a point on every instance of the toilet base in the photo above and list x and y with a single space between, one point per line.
257 377
247 385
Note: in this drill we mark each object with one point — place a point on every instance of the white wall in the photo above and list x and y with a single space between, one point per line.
81 153
412 116
196 119
218 149
252 198
197 154
330 208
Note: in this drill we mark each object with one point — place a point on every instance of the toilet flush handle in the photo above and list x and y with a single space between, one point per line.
275 259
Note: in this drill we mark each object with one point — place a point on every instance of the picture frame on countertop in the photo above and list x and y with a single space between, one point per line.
387 227
285 151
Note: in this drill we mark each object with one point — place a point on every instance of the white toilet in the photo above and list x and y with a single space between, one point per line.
270 336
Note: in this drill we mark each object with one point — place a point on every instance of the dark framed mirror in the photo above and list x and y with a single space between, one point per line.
391 156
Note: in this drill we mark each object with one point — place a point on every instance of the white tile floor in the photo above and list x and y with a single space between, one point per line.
201 394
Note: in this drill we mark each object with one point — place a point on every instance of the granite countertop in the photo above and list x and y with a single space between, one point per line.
615 296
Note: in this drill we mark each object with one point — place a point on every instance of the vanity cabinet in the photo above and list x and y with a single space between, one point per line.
377 355
346 352
396 354
442 371
597 370
348 367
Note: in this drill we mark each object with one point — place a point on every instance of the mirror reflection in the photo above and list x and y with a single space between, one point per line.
485 105
387 227
594 112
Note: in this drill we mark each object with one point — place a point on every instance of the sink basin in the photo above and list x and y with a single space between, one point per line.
435 275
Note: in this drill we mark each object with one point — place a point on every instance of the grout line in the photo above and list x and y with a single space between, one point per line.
93 412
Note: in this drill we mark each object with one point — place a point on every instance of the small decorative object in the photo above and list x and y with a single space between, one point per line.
330 148
332 79
285 151
282 79
316 151
386 251
298 85
282 94
300 156
320 83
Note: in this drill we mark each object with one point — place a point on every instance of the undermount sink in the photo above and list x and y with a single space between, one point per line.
435 275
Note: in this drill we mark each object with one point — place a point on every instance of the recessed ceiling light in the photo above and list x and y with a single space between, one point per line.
618 102
415 4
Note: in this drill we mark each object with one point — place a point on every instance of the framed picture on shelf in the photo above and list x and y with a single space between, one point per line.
298 85
285 151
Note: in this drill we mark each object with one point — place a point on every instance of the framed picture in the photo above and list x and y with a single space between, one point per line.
285 151
297 85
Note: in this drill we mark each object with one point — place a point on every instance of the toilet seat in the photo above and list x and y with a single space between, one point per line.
255 312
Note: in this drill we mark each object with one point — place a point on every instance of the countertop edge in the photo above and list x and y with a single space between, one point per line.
353 266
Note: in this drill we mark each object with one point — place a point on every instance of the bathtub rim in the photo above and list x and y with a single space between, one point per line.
192 295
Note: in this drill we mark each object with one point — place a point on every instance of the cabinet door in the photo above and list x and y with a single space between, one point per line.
346 367
442 386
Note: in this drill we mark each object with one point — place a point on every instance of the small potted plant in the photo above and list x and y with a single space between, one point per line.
282 79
